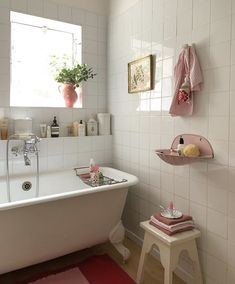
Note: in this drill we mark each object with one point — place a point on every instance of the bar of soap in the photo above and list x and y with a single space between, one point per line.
191 150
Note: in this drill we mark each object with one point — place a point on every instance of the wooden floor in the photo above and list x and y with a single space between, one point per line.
153 270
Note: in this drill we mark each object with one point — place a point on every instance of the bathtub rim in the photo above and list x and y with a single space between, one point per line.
131 180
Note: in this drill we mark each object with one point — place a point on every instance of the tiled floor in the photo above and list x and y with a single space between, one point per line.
153 269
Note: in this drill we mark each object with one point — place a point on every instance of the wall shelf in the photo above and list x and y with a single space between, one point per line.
171 157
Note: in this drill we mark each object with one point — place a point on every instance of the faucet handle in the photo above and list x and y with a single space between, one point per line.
37 139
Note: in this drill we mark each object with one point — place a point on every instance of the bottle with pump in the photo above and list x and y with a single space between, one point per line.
81 129
55 129
180 146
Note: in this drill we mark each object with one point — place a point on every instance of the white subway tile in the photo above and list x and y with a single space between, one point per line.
217 223
218 199
167 182
218 176
70 145
221 151
216 269
220 9
91 19
219 79
4 15
50 10
199 214
19 5
78 16
55 146
219 104
220 30
70 161
64 13
231 254
84 144
198 192
231 275
201 13
217 246
218 127
231 229
220 54
182 204
181 186
35 7
5 3
55 162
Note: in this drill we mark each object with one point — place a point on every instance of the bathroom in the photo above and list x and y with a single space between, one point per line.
115 33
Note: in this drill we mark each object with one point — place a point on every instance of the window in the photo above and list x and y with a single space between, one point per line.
34 43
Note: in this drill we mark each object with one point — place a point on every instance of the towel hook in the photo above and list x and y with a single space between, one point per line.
186 45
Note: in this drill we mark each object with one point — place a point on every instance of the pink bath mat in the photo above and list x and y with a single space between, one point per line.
94 270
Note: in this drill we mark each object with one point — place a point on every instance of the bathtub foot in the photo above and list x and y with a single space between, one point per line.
116 238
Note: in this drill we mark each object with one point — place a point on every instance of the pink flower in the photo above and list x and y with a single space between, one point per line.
94 169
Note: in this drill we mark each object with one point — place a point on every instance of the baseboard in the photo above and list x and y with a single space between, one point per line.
180 271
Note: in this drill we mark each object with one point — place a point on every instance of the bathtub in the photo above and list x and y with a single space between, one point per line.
68 215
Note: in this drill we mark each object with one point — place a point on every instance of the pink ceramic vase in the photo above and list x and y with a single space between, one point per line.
69 94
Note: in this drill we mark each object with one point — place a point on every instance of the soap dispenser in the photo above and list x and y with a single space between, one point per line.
55 129
180 146
81 129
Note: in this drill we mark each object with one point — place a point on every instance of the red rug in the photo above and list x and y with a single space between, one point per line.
95 270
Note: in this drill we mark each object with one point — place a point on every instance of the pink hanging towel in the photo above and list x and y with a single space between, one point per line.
187 80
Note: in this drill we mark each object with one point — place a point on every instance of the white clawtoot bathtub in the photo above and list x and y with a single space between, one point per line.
68 215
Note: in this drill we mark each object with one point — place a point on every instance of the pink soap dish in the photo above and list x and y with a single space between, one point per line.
171 157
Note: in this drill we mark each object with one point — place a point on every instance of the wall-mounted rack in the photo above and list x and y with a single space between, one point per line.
172 157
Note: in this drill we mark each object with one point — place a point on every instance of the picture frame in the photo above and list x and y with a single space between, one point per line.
140 75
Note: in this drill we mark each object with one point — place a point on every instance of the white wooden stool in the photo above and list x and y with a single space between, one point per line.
170 248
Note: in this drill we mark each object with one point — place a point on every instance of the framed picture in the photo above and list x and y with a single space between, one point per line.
140 75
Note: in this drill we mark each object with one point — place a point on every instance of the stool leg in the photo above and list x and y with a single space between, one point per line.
169 260
148 242
193 253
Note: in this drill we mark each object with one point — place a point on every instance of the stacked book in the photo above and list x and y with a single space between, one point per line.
172 226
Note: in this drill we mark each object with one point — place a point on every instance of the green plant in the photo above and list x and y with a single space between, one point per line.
75 75
71 75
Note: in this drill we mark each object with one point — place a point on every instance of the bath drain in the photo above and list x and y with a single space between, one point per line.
27 185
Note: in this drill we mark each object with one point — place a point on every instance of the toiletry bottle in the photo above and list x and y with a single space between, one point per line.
55 128
4 128
48 131
81 129
91 164
75 128
43 130
180 146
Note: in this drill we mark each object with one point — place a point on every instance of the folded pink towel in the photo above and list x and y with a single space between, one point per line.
187 79
172 228
171 233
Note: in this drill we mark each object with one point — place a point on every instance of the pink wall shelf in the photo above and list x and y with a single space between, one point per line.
172 157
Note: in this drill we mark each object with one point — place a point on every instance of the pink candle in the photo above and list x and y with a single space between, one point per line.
171 206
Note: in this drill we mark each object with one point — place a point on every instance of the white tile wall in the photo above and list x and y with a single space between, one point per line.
59 153
141 122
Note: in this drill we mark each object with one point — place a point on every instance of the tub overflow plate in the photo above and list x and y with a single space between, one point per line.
26 186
